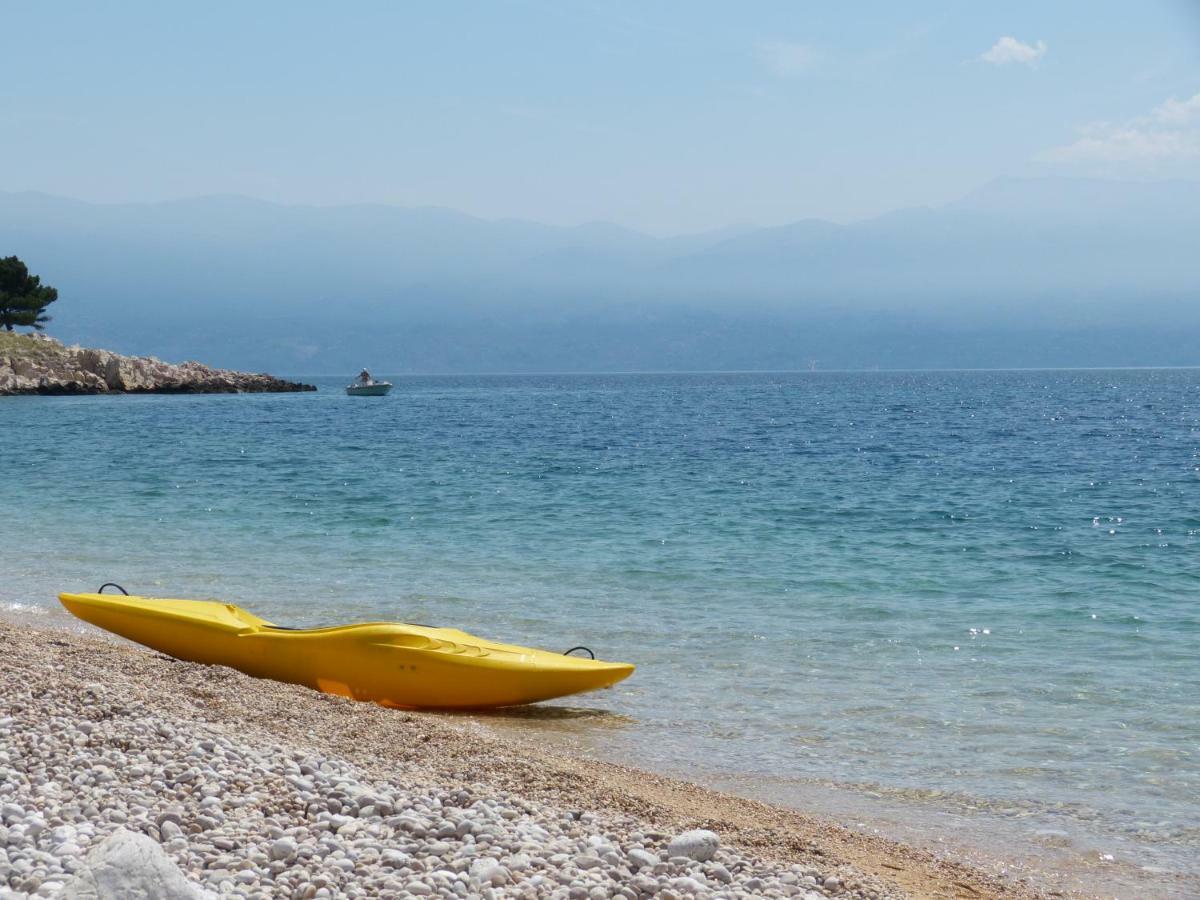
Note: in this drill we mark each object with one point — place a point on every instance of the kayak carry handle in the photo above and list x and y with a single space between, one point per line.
112 584
573 649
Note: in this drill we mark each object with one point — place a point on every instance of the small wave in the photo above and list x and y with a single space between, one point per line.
31 609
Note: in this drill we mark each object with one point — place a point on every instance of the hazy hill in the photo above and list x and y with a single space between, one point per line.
1019 272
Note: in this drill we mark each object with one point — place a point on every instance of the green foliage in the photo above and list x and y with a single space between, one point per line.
23 297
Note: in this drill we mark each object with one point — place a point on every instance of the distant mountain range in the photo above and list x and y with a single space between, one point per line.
1037 272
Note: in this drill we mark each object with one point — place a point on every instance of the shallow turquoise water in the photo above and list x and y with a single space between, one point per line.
976 589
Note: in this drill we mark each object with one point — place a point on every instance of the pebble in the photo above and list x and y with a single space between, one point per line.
641 859
238 814
698 844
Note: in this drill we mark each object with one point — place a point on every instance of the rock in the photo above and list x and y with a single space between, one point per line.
1053 837
641 859
393 859
130 866
36 364
482 869
698 844
722 874
66 848
284 848
12 812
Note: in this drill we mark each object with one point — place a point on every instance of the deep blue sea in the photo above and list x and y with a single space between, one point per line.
944 598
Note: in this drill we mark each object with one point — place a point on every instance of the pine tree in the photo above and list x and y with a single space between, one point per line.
23 297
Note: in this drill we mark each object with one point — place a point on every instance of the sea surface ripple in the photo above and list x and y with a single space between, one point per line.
973 590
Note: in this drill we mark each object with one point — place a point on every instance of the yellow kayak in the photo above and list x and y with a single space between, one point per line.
405 666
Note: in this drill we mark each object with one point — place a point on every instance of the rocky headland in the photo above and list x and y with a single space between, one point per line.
38 364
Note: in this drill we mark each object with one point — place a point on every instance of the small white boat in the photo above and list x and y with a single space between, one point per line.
368 388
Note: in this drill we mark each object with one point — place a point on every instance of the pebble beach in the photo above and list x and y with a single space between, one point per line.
118 763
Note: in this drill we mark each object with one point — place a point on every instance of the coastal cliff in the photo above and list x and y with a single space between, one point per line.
38 364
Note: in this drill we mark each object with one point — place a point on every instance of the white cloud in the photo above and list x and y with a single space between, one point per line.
1010 50
1127 145
1167 133
787 58
1178 112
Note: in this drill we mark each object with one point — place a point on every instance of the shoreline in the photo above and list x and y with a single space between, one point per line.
449 753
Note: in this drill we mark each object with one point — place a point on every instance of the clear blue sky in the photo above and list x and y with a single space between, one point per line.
672 116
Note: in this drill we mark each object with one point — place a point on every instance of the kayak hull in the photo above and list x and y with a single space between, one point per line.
397 665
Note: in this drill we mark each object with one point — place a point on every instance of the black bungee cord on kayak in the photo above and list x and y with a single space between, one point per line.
126 593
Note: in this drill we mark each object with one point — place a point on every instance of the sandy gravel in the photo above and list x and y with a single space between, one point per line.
432 753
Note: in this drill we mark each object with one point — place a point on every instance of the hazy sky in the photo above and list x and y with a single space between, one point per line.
671 116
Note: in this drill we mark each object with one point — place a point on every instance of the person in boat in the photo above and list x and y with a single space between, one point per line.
364 377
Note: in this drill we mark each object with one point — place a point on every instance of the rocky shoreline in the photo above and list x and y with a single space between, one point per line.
121 767
38 364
